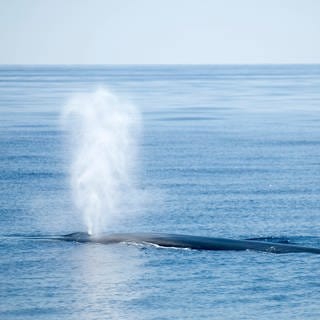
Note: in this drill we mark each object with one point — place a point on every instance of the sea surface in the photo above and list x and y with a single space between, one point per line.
225 151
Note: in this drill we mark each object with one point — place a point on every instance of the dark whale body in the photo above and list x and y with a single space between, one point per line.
191 242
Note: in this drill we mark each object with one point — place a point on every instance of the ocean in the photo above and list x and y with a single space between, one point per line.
223 151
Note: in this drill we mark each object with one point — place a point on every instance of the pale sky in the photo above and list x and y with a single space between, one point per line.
159 31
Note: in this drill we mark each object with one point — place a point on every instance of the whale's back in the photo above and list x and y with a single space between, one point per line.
189 241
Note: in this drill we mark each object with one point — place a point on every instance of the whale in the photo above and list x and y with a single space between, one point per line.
270 245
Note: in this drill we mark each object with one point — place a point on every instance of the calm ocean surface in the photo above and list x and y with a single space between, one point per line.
226 151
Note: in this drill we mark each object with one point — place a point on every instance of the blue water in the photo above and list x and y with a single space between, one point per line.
226 151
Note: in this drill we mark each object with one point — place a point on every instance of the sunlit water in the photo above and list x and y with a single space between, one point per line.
230 151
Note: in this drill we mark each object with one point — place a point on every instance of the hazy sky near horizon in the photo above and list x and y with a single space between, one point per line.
159 31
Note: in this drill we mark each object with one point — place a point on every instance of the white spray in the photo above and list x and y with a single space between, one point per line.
104 144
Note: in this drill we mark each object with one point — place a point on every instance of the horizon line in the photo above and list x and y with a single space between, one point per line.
159 64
